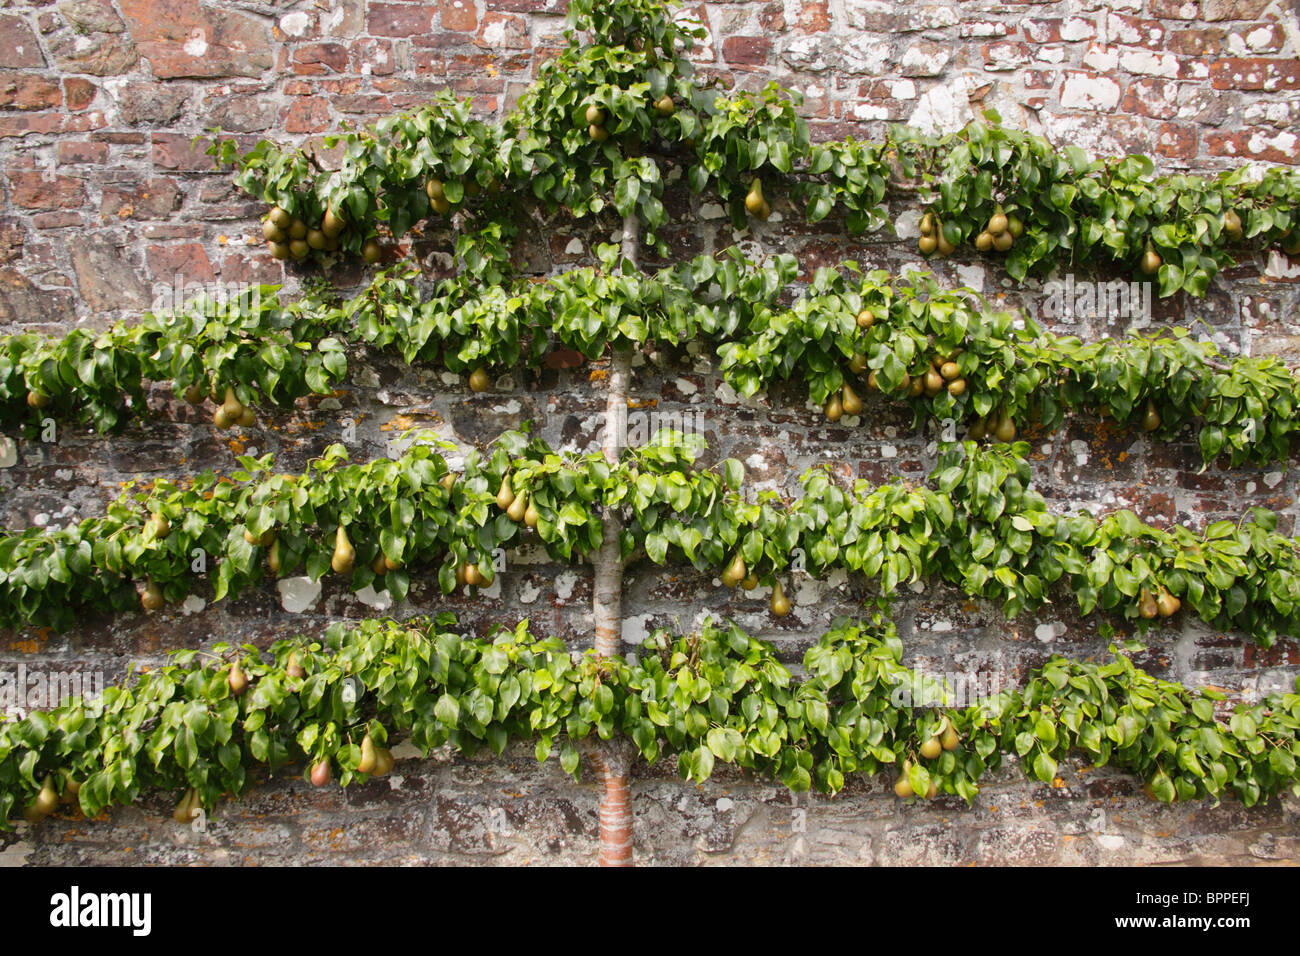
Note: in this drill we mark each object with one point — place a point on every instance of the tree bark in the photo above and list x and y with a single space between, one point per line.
611 758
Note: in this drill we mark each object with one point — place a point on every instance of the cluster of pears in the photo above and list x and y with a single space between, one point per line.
376 761
755 202
596 123
1000 232
736 575
946 738
230 410
1163 604
190 804
999 425
932 238
151 595
291 238
516 506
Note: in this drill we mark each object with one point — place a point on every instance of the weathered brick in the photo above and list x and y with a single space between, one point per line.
1174 9
178 151
399 19
1203 42
503 32
27 91
182 39
746 50
156 198
458 15
1233 9
78 93
1152 97
188 261
1255 74
34 189
307 115
327 56
1269 145
19 49
72 152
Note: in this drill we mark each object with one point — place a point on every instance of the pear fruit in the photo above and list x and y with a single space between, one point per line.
505 494
293 667
297 229
598 133
927 224
780 604
184 812
383 762
159 525
378 565
931 748
957 387
914 387
933 382
903 785
1167 605
433 189
232 406
943 246
151 598
750 582
448 481
47 799
1232 225
280 218
237 680
949 740
279 250
595 115
866 319
332 225
1151 261
1150 418
984 241
979 429
372 251
273 558
473 577
531 517
927 245
664 106
754 200
320 773
998 222
950 370
834 408
735 572
345 555
478 380
849 400
932 791
441 206
1003 241
369 757
519 507
1147 607
317 240
1015 226
37 399
858 364
1005 430
194 394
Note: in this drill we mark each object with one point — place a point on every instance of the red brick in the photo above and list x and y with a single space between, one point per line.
458 15
177 151
1151 97
377 54
1134 31
1038 79
72 152
1005 56
746 51
156 198
332 56
308 115
1042 31
1263 37
1177 141
18 46
1174 9
399 20
1255 73
1233 9
78 93
1252 144
1203 42
32 189
528 6
183 39
25 91
814 16
506 30
188 260
63 219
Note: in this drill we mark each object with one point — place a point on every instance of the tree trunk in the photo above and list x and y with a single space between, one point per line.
610 758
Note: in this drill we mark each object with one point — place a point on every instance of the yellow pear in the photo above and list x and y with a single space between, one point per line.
345 555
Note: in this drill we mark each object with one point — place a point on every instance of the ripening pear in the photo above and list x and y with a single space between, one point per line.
47 799
903 786
151 598
1015 226
280 217
735 572
927 224
519 507
950 370
1151 260
664 106
595 115
273 558
531 517
754 200
750 582
237 680
368 756
294 666
984 241
1167 605
345 555
950 739
473 576
931 748
320 773
849 400
1150 418
1003 241
222 419
505 495
194 394
390 564
37 398
383 762
448 480
184 811
1147 607
159 525
858 364
998 222
232 406
780 604
1232 224
866 319
478 380
247 418
834 408
957 387
979 429
1005 430
378 565
372 251
332 225
433 189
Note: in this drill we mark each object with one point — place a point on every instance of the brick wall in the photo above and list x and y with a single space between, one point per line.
105 204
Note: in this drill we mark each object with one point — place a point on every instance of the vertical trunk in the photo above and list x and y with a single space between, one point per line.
607 606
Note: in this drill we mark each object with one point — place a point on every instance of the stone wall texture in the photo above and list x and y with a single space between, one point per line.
105 206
